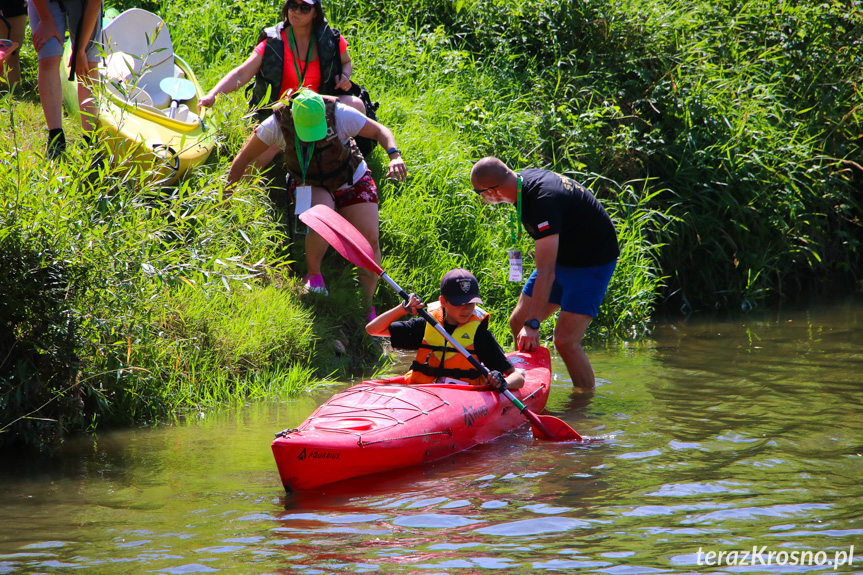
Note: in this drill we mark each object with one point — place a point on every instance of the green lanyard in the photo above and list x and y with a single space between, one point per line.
304 151
515 227
300 77
304 154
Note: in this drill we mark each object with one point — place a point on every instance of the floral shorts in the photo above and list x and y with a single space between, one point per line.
364 191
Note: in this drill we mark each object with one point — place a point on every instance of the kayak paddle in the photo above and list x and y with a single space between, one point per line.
355 248
178 89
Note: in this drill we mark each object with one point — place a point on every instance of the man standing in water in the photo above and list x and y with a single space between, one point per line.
576 252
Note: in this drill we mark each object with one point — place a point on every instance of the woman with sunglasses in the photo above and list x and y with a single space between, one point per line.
300 51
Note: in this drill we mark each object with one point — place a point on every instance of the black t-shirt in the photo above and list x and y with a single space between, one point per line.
409 335
554 204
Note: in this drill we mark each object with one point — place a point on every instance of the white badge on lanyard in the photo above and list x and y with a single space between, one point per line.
514 265
304 199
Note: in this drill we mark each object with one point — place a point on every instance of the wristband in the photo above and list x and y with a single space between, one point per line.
392 151
406 307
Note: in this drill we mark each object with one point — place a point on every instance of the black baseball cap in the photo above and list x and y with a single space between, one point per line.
460 287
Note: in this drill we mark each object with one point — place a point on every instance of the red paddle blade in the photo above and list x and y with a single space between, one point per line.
551 428
342 235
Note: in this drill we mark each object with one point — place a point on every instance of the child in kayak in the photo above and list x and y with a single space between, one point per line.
437 361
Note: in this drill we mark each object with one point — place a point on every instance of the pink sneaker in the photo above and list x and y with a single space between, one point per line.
372 313
315 284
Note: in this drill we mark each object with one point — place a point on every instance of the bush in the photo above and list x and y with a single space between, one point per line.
41 396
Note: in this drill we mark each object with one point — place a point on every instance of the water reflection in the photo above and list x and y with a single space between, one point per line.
728 435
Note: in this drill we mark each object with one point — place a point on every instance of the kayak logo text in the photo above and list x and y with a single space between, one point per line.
764 557
472 413
316 455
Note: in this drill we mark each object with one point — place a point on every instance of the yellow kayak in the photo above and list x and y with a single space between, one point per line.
141 124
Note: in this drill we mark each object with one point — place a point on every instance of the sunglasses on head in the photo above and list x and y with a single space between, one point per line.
301 6
484 190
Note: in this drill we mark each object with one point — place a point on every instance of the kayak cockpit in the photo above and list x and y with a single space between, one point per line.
139 58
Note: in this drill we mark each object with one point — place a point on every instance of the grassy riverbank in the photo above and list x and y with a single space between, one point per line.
723 139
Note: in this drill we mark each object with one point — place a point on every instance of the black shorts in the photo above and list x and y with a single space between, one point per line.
12 8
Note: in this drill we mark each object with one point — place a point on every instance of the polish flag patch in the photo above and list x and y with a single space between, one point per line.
543 226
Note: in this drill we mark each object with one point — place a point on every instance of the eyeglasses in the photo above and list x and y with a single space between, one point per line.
484 190
302 7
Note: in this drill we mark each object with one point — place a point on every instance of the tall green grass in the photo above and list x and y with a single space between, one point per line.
126 301
746 113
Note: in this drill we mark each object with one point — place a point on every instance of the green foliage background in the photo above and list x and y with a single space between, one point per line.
723 137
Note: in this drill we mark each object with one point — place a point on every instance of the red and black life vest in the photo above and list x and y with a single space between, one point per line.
273 63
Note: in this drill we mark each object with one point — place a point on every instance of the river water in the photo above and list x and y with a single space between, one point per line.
729 436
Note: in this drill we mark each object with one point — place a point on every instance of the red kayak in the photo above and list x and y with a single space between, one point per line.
383 425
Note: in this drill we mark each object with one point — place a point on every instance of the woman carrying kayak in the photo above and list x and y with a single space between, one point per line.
437 361
302 50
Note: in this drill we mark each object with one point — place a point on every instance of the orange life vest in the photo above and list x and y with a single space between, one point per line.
437 359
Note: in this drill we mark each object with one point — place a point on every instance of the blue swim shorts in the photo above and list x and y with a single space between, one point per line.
577 290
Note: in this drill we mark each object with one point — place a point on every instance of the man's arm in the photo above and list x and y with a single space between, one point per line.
88 22
545 258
